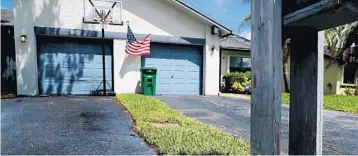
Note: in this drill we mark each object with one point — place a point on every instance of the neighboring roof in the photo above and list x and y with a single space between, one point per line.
201 15
7 17
235 42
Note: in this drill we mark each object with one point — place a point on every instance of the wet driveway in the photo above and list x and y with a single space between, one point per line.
340 130
67 125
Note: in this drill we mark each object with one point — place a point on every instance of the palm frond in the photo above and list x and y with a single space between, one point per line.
247 18
339 39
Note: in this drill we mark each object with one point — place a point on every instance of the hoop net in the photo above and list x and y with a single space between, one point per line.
103 12
103 16
106 12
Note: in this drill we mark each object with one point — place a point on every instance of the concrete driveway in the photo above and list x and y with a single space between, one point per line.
67 126
340 134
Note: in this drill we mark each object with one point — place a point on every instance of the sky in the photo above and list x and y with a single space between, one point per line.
227 12
6 4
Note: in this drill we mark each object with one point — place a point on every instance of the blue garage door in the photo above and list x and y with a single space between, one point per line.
179 68
72 66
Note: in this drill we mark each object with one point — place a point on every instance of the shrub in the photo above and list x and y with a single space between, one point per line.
237 87
349 91
243 79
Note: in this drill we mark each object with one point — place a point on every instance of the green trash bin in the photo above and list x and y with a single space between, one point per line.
149 76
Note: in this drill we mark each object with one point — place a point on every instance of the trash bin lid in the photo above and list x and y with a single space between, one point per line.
148 69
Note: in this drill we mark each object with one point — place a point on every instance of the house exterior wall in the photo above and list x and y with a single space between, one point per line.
225 58
211 63
331 76
26 55
126 71
334 75
150 16
224 65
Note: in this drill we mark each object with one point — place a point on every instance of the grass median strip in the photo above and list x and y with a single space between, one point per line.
333 102
171 132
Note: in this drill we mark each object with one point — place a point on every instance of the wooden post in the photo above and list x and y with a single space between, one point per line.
266 76
305 129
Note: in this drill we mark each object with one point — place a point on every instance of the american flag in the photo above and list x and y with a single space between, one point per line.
136 47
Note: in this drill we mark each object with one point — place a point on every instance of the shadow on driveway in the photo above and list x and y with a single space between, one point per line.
232 115
67 125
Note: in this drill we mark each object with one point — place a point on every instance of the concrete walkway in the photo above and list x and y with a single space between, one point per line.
238 96
232 115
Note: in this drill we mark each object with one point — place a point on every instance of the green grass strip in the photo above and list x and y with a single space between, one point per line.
189 136
333 102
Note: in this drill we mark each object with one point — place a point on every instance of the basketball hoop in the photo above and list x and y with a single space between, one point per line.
103 12
103 15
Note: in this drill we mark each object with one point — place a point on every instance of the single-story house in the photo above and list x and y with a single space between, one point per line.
234 55
59 52
338 77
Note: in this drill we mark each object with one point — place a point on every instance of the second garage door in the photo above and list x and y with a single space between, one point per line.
179 68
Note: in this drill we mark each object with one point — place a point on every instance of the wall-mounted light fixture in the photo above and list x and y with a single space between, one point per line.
212 47
329 85
23 38
214 30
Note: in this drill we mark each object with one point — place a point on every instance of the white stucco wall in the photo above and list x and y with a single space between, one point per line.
145 16
26 56
211 64
126 71
148 16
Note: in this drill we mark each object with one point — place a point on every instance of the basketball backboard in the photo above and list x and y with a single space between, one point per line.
95 10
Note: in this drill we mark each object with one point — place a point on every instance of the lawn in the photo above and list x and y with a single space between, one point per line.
333 102
171 132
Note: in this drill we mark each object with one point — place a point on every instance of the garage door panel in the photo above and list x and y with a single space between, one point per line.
165 88
68 66
193 62
179 68
73 61
82 74
72 66
68 87
63 73
160 62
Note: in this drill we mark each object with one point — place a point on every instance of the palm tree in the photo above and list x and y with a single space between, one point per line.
337 40
285 50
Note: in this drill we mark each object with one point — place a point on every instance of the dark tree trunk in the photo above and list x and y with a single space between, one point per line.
285 68
286 77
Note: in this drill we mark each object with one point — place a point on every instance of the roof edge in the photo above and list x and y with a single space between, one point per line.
234 48
201 15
